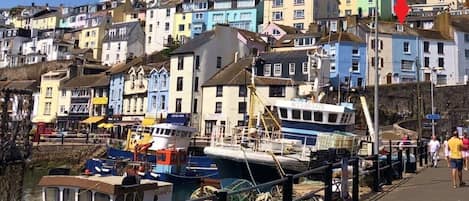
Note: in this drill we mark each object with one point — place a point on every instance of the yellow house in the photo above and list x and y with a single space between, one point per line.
348 7
48 104
291 13
182 25
92 38
47 21
18 21
119 12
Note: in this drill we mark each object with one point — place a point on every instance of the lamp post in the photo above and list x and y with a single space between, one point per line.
432 71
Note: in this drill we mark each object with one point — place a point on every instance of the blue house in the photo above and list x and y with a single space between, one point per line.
242 14
404 53
158 90
199 23
116 90
348 59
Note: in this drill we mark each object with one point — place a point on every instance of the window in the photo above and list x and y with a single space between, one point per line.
276 32
197 62
47 108
277 91
267 68
180 63
426 46
278 15
277 69
299 26
295 114
179 84
307 115
69 194
426 61
332 117
318 116
63 92
245 16
196 84
109 45
107 57
299 2
241 107
305 67
62 108
332 64
150 28
218 107
118 46
168 12
440 48
466 38
218 62
283 113
149 39
466 53
291 68
406 47
277 3
151 14
181 27
199 16
441 62
242 91
178 104
219 91
355 66
348 12
166 26
117 57
163 102
49 92
299 14
407 65
85 195
194 107
355 52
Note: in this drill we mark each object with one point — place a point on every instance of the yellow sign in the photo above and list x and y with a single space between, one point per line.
100 101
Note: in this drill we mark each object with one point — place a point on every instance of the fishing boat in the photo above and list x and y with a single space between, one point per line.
108 188
158 152
304 130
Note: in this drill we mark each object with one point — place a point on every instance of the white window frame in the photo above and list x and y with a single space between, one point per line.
277 16
304 67
299 14
267 69
357 62
404 47
291 68
278 69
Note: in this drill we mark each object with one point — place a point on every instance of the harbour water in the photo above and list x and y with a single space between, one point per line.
12 186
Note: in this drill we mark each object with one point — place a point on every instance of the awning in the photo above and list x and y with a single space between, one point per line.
148 122
105 125
92 120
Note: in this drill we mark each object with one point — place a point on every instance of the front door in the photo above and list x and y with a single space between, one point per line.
209 124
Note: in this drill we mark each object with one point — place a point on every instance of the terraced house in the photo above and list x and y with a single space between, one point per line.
122 41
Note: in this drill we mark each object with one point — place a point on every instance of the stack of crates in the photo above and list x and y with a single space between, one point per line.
337 140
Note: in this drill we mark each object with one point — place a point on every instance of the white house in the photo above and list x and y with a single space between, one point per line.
199 59
122 40
159 26
11 45
45 49
226 98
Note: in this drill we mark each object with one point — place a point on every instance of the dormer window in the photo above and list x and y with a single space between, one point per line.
400 28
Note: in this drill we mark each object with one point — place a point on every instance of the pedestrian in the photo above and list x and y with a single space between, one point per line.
445 143
434 148
465 148
455 149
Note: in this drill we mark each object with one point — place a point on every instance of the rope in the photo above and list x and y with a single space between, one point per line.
249 168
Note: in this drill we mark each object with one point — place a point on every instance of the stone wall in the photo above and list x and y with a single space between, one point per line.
74 155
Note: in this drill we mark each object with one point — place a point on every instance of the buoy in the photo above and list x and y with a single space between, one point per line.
87 172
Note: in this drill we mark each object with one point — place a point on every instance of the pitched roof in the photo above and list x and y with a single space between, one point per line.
155 57
288 40
19 84
160 65
191 45
432 34
169 3
235 74
251 36
385 27
288 29
460 22
101 80
341 36
82 81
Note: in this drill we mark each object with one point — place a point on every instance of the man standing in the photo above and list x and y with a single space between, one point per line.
455 149
434 148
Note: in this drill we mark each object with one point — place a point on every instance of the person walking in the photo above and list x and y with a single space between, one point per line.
434 148
465 149
445 144
455 149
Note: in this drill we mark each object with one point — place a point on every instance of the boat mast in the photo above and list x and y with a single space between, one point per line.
252 91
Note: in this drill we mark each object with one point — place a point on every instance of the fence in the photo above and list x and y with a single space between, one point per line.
381 174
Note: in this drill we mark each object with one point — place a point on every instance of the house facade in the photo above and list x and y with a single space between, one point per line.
158 88
226 98
199 59
122 40
11 46
241 14
159 27
287 64
135 93
365 8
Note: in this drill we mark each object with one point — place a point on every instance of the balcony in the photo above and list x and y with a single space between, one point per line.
169 41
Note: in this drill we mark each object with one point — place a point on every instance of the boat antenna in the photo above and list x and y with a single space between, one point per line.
376 111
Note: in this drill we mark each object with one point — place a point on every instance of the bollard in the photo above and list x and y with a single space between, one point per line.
400 167
376 173
327 183
222 195
426 154
287 192
62 139
389 170
421 153
356 177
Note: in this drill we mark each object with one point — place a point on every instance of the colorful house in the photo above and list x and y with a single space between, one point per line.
49 20
348 64
135 93
92 37
158 90
181 26
365 8
241 14
122 41
159 26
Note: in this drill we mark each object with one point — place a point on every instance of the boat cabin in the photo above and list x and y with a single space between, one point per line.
108 188
171 161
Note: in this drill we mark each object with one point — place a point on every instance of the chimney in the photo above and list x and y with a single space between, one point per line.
442 23
32 4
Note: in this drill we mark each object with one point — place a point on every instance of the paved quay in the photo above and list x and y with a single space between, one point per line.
431 184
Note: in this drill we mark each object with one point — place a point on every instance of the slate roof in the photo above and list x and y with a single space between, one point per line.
191 45
234 75
388 28
169 3
460 23
341 36
82 81
19 84
288 29
251 36
101 80
283 55
153 58
290 38
432 34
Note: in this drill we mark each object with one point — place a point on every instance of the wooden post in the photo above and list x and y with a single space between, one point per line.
399 158
376 173
356 176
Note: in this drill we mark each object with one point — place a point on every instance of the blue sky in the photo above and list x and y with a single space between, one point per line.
13 3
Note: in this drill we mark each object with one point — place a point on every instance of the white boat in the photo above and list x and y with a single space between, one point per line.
108 188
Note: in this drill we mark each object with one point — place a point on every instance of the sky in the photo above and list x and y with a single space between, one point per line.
13 3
